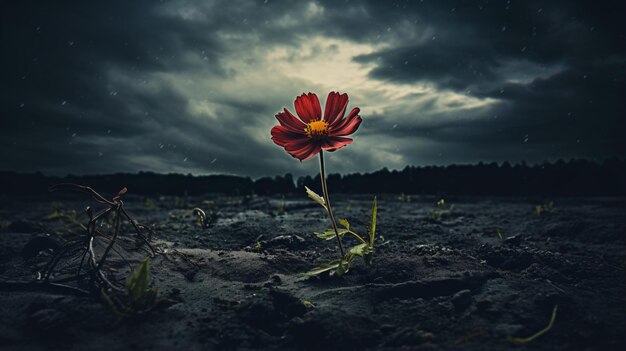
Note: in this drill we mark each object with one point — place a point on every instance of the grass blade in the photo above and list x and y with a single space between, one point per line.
537 334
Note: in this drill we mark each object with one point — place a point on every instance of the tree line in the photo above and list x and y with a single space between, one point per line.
576 177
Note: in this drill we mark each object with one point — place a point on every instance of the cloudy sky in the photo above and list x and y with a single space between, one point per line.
193 86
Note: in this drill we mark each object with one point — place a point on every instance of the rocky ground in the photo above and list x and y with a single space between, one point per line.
463 276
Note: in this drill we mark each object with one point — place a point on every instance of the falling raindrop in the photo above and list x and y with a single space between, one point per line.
73 135
395 126
504 28
213 161
100 154
523 49
108 131
21 105
526 138
185 159
161 146
63 103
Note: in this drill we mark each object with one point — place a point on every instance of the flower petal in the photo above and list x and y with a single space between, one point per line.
282 136
303 150
335 106
333 143
348 125
290 122
308 107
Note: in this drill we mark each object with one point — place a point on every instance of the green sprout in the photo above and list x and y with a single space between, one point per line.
68 221
139 298
546 207
404 198
499 232
365 247
281 207
440 209
201 217
537 334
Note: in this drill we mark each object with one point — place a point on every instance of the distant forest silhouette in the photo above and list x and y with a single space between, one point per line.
573 178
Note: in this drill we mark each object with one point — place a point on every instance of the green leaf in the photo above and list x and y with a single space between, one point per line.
359 250
373 222
315 197
343 268
344 222
138 282
329 266
329 234
108 302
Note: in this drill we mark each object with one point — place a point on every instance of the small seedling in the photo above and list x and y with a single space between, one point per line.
537 334
201 217
440 209
139 297
364 249
281 207
546 207
499 232
349 206
68 219
404 198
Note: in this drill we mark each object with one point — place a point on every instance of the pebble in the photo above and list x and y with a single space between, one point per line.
462 299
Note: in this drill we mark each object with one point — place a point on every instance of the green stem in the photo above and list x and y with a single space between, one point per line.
357 236
327 201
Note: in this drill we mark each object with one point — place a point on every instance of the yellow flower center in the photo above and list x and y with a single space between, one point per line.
316 129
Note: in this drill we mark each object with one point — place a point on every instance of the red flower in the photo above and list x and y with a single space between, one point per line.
304 138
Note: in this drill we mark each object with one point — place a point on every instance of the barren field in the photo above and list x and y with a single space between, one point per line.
460 278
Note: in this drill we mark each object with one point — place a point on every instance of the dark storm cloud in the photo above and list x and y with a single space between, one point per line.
102 87
63 112
489 50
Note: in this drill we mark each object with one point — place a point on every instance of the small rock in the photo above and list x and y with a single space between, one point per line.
462 299
513 240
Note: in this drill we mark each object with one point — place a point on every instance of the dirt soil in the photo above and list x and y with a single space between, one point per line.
465 278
